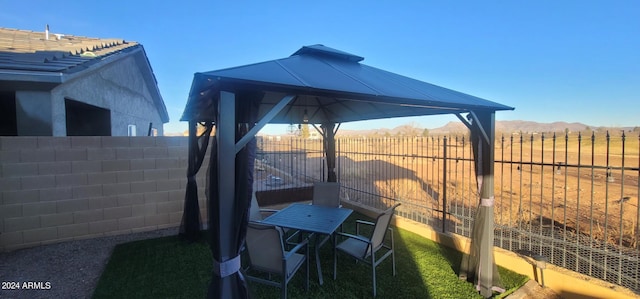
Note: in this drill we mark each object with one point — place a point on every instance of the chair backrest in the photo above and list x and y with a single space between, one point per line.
326 194
380 228
265 247
254 209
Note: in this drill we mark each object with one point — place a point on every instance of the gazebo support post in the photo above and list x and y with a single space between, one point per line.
486 125
229 175
221 224
479 264
329 141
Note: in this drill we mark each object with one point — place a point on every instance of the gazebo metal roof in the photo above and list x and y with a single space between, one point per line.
330 86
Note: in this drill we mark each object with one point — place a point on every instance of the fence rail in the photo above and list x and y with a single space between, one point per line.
572 197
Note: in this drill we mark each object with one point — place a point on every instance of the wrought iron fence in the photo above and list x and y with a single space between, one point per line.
572 198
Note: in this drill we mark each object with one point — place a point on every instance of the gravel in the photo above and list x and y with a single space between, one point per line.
63 270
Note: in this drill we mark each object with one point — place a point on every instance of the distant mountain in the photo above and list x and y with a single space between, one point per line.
502 126
510 126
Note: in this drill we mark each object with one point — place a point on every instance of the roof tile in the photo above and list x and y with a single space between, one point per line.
32 51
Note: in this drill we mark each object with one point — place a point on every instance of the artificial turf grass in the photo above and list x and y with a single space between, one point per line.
170 268
165 267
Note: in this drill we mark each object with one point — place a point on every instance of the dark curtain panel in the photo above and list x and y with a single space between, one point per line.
191 223
213 212
234 285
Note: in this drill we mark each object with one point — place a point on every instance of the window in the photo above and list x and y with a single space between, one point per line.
87 120
131 130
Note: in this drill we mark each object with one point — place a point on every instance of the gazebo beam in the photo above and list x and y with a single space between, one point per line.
265 120
488 123
464 121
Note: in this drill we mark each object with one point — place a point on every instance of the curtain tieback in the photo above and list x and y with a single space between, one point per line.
227 267
486 202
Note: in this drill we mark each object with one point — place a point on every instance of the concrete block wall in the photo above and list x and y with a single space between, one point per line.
55 189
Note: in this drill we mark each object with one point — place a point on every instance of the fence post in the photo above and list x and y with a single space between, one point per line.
444 185
338 163
637 227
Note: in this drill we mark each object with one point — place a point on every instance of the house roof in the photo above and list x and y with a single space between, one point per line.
329 85
33 51
28 58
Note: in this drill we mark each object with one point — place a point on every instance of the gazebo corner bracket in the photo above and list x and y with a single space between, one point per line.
318 129
476 121
464 121
263 121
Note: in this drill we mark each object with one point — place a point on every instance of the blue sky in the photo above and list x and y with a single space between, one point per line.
574 61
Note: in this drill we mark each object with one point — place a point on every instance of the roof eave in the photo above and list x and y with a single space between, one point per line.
31 76
232 83
204 83
152 83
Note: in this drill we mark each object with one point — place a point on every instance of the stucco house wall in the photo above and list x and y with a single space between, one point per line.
118 87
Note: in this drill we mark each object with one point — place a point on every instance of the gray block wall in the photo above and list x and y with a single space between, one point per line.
55 189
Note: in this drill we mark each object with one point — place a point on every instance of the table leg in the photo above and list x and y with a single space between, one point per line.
317 245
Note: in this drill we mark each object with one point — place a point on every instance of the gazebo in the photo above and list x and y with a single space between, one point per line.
323 87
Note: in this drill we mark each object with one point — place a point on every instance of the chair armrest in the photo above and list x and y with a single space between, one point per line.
358 222
293 250
365 222
359 238
294 234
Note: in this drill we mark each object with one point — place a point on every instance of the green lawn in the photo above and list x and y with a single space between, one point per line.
169 268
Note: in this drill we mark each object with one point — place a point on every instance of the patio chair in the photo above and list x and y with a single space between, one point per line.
365 247
255 212
326 194
267 254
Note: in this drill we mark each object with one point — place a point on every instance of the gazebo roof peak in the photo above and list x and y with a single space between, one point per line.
322 50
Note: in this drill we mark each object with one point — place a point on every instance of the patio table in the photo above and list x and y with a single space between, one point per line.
310 218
